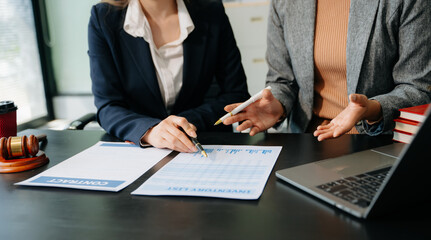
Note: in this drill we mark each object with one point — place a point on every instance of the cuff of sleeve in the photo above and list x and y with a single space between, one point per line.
279 125
283 116
373 128
280 121
142 143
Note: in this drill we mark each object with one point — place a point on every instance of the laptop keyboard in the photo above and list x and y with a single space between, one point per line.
359 189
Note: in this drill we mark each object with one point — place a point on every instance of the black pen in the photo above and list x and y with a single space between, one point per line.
197 144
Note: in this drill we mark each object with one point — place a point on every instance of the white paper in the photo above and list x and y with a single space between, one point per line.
238 172
106 166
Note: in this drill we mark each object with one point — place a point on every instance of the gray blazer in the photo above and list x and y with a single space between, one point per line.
388 56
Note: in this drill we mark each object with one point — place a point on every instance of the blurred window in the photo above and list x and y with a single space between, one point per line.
21 77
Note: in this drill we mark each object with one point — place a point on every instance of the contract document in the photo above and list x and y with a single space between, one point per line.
238 172
106 166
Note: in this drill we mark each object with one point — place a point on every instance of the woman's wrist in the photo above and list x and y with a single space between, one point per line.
374 112
283 115
144 138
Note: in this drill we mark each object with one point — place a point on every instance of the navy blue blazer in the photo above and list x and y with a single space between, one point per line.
124 82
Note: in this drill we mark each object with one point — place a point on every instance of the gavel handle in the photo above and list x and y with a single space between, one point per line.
41 138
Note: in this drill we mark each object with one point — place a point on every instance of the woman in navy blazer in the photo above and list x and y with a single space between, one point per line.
125 84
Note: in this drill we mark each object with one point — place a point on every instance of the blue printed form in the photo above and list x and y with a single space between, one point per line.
238 172
106 166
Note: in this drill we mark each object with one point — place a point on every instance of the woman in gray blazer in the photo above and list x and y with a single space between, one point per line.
387 66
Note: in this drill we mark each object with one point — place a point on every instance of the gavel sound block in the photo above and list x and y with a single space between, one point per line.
19 154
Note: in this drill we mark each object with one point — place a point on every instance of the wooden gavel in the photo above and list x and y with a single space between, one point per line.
19 154
20 147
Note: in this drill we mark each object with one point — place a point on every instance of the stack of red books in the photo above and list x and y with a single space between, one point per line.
409 122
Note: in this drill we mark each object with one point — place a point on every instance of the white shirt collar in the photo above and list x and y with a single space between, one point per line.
136 24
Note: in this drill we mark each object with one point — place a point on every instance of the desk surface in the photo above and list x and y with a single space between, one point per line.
282 212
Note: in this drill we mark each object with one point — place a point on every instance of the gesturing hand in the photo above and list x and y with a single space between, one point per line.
258 116
359 108
167 134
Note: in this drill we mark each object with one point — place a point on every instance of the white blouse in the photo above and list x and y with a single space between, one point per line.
168 59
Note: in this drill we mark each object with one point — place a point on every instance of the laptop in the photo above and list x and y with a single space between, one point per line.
371 182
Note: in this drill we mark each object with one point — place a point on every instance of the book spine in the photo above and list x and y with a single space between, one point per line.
403 137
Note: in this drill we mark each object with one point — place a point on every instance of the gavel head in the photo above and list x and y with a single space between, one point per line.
17 147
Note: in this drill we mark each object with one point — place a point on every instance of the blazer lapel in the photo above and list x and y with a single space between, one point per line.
194 52
361 18
300 22
140 53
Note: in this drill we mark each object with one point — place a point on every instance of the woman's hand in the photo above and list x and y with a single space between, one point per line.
258 116
359 108
167 134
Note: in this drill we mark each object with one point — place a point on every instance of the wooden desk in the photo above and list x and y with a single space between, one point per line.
282 212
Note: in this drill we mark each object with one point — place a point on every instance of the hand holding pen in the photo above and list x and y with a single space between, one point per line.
259 113
241 106
197 144
169 134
